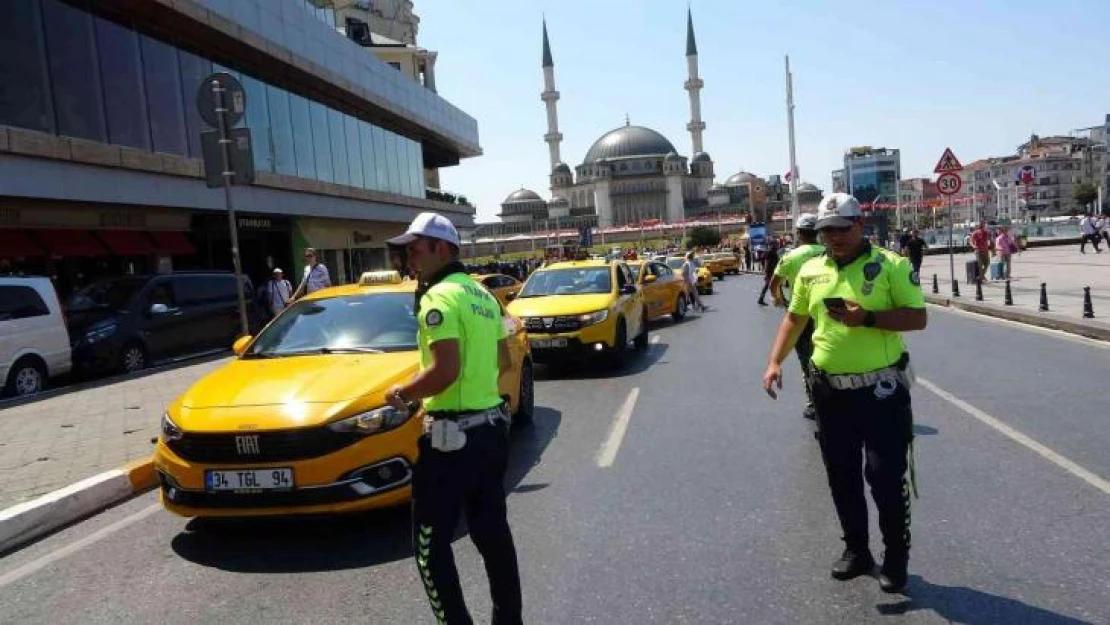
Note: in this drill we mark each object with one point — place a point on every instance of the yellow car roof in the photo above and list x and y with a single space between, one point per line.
575 264
369 282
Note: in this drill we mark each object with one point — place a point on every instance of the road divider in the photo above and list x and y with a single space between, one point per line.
30 520
608 452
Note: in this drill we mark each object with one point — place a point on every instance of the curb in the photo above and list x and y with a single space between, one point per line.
1041 320
30 520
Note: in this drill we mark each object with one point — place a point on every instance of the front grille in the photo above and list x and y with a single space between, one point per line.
246 448
552 325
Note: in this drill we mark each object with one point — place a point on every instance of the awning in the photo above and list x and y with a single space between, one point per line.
173 243
16 244
70 243
126 242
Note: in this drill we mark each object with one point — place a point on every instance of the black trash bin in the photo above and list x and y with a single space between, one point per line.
971 267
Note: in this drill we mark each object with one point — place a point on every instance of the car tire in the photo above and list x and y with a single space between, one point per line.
640 343
132 357
26 377
526 396
680 307
709 290
620 345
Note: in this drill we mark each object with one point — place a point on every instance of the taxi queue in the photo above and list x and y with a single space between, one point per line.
298 422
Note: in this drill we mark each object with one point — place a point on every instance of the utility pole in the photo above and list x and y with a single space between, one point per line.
793 160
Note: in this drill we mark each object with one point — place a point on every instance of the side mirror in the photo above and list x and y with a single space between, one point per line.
159 309
240 344
648 279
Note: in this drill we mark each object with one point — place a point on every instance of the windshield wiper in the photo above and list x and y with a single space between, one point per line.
351 350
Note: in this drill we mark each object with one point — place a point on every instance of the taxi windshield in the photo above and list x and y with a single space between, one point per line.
575 281
370 323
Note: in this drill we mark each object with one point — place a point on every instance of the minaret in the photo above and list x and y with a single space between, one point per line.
693 85
550 96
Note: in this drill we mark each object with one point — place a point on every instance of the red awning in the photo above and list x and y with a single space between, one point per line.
126 242
173 243
70 243
16 244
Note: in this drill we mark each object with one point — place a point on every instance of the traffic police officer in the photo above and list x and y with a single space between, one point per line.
787 271
464 453
860 297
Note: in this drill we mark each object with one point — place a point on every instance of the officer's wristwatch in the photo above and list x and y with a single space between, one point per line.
869 319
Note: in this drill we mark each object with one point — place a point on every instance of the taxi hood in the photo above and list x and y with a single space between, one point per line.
560 304
299 380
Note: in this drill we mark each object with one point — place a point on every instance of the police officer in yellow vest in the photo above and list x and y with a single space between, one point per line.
860 297
787 272
464 452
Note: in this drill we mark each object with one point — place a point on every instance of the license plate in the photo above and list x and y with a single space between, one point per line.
248 479
548 343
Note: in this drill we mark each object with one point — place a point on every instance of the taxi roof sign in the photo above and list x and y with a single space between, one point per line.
375 278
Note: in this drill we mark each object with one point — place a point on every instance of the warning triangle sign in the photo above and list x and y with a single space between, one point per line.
948 162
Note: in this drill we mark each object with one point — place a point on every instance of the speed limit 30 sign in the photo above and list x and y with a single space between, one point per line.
949 183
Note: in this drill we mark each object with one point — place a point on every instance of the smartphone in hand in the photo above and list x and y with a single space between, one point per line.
836 303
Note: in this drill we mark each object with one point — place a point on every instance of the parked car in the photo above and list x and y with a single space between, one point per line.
34 344
125 323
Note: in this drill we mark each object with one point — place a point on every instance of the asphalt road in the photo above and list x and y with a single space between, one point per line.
713 509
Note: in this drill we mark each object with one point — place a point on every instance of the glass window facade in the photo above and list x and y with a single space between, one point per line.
65 71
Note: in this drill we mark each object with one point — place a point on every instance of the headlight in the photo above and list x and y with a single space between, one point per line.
590 319
99 334
371 422
170 431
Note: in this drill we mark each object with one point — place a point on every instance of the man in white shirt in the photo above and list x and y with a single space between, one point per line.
690 275
278 293
315 275
1089 232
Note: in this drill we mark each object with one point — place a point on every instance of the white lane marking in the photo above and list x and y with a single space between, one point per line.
655 338
612 444
1060 334
1020 438
33 566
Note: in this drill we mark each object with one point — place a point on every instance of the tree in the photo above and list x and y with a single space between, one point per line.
703 236
1085 193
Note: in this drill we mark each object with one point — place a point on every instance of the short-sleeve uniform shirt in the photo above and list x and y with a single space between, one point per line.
459 308
878 280
792 262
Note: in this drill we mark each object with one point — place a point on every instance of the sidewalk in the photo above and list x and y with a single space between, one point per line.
47 444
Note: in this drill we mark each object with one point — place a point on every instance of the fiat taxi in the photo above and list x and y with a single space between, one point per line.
715 267
728 260
298 423
663 289
503 287
575 309
704 279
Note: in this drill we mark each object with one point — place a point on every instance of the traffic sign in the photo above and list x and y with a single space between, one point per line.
947 163
235 99
949 183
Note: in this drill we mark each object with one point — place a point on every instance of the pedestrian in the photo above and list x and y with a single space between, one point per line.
787 272
464 452
315 275
861 298
915 249
278 293
1006 247
770 260
1104 228
904 240
690 276
983 245
1089 233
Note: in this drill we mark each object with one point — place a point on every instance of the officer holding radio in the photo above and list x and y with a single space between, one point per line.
860 298
464 452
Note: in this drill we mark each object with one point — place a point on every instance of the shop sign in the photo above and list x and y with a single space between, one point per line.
358 238
122 219
255 223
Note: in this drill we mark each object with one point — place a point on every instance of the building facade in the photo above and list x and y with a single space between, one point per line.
917 199
100 139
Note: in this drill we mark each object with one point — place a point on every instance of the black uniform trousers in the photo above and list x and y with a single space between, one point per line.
804 350
444 486
879 426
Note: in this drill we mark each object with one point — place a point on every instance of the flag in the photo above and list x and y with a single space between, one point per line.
788 176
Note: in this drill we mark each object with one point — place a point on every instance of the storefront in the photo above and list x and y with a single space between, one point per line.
347 247
265 242
75 244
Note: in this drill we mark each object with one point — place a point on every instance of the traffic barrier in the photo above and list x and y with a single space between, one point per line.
1044 299
1088 307
978 290
936 285
1009 295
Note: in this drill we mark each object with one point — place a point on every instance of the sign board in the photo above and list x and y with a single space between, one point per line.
757 234
242 160
949 183
585 236
235 99
947 163
1026 174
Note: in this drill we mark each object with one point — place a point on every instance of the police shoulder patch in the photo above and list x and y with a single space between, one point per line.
872 269
433 318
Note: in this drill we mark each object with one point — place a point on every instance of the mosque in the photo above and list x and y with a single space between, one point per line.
631 173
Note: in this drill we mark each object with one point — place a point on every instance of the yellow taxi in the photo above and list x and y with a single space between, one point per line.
704 279
663 289
298 423
728 260
578 308
503 287
716 268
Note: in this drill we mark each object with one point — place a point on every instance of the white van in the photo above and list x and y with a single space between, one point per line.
34 342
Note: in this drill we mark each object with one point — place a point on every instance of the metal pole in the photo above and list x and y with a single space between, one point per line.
228 174
951 245
793 160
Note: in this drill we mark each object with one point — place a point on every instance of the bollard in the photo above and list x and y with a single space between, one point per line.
936 286
1009 295
978 290
955 288
1044 299
1088 308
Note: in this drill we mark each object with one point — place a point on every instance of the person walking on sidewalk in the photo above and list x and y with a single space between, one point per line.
1006 247
278 293
861 298
690 276
787 271
1104 228
983 245
1089 233
315 275
915 249
770 261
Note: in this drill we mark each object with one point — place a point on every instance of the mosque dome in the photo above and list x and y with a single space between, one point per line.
741 178
522 195
628 141
701 157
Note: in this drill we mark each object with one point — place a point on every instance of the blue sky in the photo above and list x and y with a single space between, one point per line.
976 75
